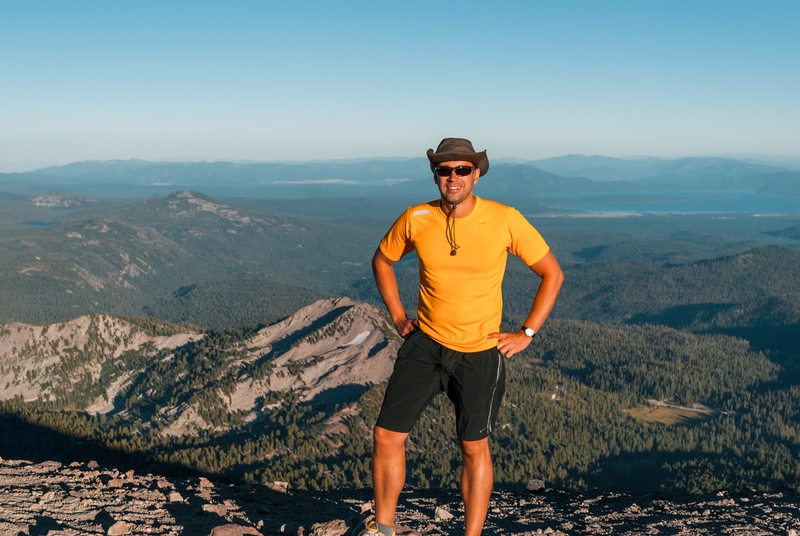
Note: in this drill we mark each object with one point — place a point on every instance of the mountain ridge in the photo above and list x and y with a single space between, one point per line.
380 177
327 345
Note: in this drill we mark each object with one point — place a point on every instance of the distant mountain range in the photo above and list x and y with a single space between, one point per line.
603 168
411 176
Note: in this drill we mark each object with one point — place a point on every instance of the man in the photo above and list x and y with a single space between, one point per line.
455 344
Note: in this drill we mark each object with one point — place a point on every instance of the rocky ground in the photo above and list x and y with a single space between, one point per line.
54 499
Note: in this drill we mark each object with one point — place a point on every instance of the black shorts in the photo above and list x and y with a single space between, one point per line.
473 381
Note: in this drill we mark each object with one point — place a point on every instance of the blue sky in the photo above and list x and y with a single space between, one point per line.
337 79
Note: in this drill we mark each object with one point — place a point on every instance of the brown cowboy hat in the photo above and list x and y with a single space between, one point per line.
454 149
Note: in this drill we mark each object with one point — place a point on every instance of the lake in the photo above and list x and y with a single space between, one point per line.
678 202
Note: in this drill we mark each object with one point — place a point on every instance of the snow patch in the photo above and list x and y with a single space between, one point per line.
359 339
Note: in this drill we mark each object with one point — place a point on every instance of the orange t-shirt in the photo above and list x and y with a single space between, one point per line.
460 296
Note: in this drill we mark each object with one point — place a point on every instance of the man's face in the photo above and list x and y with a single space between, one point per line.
454 189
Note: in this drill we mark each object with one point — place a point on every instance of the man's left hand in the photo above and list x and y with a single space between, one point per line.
510 343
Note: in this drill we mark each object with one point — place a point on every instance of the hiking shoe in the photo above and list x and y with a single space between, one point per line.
372 529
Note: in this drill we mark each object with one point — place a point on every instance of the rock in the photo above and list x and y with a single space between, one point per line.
233 530
119 528
442 515
535 485
205 483
63 503
400 530
280 487
337 527
129 474
93 465
218 509
48 496
114 483
288 528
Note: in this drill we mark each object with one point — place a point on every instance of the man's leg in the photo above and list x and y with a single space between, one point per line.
388 472
477 478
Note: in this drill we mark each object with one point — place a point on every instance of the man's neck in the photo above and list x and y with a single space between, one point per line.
460 210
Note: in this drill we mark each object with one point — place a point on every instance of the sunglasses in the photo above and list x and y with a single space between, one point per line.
461 171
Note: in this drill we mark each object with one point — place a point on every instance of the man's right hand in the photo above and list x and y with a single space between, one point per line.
387 285
406 326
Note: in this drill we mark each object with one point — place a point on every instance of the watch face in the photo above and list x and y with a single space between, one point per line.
529 332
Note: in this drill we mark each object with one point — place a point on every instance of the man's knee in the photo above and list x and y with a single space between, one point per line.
388 439
475 449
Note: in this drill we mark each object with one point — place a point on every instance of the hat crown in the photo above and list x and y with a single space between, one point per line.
455 145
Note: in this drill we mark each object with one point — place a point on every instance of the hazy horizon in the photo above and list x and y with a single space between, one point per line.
788 161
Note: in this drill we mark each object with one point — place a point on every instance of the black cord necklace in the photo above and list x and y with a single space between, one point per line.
450 230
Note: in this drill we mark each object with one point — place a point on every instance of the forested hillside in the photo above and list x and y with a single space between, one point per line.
619 291
238 300
790 232
98 265
154 252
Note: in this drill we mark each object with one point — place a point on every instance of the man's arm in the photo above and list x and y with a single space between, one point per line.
386 281
552 278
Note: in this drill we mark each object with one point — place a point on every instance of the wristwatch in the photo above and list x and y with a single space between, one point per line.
528 331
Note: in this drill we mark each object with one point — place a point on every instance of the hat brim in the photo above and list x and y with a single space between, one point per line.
479 160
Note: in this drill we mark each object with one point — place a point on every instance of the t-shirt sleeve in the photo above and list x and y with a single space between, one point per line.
526 242
397 240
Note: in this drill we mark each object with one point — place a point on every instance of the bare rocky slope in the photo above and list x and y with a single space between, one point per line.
325 351
54 499
36 361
